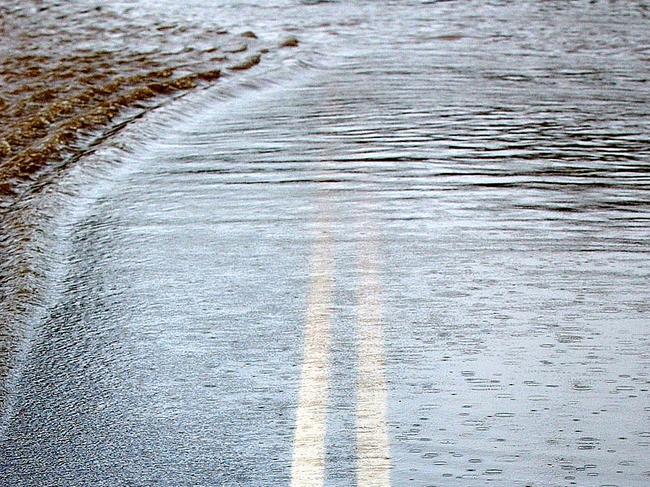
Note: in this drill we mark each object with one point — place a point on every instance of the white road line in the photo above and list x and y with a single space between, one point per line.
308 466
373 450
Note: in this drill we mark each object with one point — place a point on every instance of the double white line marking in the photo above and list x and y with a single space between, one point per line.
373 455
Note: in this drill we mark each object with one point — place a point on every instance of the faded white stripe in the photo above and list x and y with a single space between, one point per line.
373 450
308 466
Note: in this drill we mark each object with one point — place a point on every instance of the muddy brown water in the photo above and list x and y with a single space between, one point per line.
67 71
412 251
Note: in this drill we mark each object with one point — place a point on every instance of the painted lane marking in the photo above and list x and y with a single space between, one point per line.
373 450
308 465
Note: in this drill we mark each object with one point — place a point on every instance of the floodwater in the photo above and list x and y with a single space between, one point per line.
414 254
74 73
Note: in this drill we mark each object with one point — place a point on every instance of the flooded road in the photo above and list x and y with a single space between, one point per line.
415 255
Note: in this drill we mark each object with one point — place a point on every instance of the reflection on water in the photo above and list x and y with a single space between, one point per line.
485 169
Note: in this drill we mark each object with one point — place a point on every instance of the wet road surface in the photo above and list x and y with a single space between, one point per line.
427 269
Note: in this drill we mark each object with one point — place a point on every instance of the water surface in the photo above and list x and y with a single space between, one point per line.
429 236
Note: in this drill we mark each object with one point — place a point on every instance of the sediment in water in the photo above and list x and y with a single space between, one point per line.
56 91
69 75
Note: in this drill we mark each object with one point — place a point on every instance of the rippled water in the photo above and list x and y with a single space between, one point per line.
74 73
443 205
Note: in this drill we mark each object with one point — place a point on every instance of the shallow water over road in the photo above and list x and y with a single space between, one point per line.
421 260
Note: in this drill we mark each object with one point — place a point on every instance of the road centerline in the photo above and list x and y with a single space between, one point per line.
308 464
373 450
